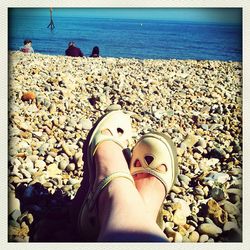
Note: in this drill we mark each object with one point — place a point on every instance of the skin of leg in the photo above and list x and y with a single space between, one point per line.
122 212
152 192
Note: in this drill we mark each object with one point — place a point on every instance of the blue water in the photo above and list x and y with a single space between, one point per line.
143 39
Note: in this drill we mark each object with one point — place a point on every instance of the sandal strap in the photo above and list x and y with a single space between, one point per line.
94 194
153 172
102 138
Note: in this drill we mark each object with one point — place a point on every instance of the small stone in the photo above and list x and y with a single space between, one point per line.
15 214
177 237
190 229
204 238
169 112
24 226
218 153
204 126
49 159
28 96
235 191
63 164
73 181
181 150
217 193
199 191
48 184
37 135
25 134
190 141
176 189
114 107
212 162
22 217
25 173
86 124
14 203
217 177
194 236
231 208
66 188
182 230
184 178
30 218
169 224
197 156
71 167
185 210
185 239
52 108
40 164
13 223
26 126
43 148
230 225
179 218
175 206
199 149
53 170
158 114
66 149
202 143
62 119
210 229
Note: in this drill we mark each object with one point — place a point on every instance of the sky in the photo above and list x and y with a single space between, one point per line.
206 15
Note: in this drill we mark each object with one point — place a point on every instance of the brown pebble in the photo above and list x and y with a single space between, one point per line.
22 155
28 96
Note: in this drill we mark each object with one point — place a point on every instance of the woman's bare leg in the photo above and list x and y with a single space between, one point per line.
122 211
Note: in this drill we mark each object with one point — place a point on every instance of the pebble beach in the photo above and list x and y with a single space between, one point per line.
55 100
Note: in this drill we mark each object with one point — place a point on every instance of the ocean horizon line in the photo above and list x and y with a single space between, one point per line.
193 22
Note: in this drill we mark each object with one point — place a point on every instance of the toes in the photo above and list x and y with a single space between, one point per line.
137 163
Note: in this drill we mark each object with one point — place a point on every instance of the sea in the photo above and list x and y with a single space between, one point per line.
129 38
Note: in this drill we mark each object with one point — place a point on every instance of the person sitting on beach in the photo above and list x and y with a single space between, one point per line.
95 52
72 50
27 48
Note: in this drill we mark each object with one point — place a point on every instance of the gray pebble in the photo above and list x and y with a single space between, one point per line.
71 167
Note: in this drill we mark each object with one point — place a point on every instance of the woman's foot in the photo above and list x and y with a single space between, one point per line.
108 159
154 169
105 164
151 190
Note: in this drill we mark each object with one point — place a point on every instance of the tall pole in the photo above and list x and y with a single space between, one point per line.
51 24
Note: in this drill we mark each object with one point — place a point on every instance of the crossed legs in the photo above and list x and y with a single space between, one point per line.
127 212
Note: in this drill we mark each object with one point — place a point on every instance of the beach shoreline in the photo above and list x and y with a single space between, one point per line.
130 58
197 102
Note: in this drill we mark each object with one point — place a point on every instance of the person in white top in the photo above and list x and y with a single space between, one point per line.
27 48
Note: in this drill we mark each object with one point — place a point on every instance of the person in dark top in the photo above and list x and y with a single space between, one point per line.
72 50
95 52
